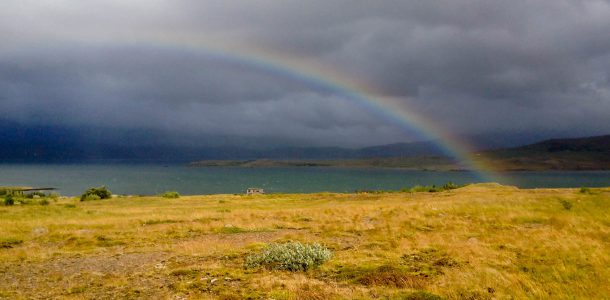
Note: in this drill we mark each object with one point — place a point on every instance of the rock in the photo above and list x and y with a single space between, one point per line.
213 280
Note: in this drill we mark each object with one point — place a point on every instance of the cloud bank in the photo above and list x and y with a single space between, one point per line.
473 67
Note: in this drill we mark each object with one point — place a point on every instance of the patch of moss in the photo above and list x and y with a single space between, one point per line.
428 262
384 275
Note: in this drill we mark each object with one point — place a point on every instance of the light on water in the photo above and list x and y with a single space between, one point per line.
73 179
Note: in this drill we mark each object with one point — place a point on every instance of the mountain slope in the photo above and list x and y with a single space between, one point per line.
590 153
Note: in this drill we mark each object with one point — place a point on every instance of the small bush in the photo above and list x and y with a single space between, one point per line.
585 190
567 205
8 200
292 256
43 202
96 194
171 195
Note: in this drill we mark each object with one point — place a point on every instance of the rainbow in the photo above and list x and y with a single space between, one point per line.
316 75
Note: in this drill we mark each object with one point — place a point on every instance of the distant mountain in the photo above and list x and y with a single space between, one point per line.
590 153
58 144
50 151
587 144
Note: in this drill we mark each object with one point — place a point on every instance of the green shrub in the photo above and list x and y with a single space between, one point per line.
171 195
585 190
567 205
43 202
292 256
8 200
96 194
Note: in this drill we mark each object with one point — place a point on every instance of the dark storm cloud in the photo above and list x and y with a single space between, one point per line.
178 94
474 67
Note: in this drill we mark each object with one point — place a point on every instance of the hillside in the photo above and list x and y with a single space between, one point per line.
591 153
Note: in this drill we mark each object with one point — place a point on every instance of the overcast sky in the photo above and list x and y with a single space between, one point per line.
473 67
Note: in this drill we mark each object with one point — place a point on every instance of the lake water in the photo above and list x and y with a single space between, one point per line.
73 179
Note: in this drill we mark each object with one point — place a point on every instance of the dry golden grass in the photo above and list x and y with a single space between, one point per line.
478 242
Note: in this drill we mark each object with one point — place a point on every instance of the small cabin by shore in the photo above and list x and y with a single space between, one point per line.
255 191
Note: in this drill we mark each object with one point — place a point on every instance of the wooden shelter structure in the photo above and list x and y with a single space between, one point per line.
20 190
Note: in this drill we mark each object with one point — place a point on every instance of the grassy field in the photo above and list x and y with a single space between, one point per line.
477 242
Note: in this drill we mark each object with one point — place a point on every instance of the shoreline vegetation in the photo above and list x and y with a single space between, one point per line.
480 241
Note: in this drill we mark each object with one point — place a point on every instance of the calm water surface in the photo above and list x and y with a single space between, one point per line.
73 179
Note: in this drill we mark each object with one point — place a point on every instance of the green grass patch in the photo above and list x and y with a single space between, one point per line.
388 275
229 229
428 262
159 221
